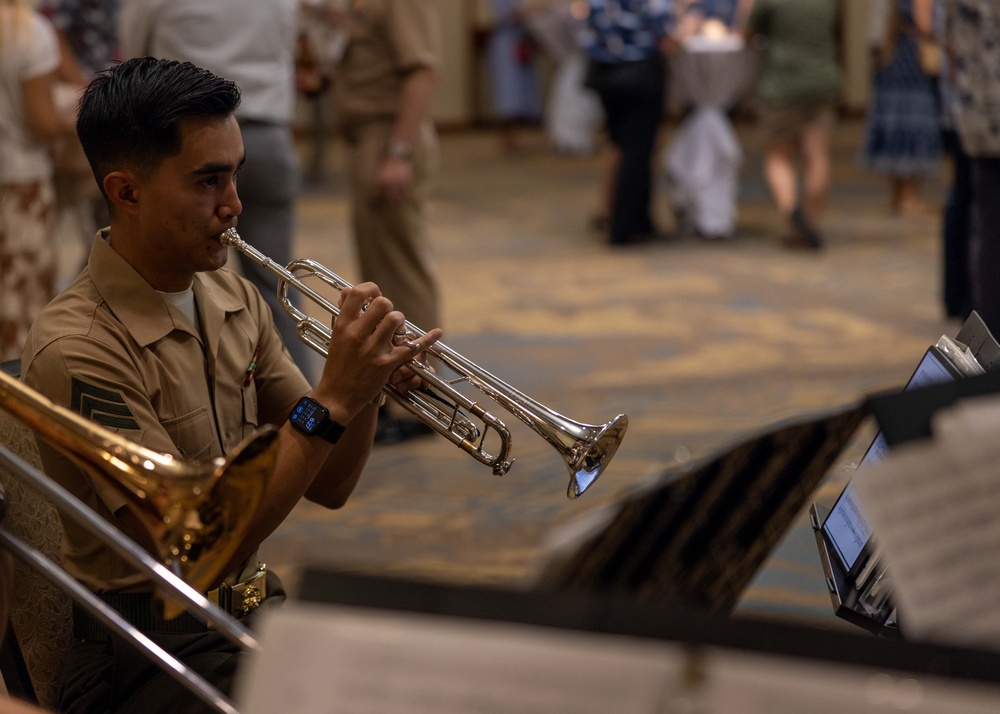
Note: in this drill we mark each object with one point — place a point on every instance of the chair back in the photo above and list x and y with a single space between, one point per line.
40 613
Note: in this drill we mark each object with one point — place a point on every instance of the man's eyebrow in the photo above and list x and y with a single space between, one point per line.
218 168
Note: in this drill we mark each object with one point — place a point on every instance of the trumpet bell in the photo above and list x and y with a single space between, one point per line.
594 455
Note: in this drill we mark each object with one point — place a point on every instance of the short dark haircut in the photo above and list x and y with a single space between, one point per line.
130 114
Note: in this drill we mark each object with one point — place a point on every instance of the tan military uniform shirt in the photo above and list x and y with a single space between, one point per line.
114 350
385 39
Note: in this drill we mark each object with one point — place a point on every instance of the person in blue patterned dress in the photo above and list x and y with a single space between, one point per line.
625 41
903 138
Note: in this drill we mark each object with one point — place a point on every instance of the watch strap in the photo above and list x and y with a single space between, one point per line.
330 430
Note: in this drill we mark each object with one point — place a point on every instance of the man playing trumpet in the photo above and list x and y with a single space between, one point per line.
156 340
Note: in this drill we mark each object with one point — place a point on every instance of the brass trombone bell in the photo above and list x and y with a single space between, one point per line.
194 513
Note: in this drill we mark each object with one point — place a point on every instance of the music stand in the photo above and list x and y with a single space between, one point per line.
700 536
622 615
903 416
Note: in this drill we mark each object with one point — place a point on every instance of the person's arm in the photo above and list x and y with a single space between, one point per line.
742 16
43 122
923 17
69 71
416 96
753 21
362 358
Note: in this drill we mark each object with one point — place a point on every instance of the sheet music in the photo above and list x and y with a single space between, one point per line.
935 510
961 356
326 659
334 660
751 684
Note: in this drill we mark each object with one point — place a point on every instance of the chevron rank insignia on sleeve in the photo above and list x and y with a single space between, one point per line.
104 406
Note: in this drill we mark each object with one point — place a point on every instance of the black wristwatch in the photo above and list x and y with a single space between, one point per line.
313 419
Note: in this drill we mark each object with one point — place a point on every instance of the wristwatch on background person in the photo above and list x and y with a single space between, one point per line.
313 419
401 150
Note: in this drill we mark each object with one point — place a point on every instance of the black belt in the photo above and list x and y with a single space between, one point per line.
140 610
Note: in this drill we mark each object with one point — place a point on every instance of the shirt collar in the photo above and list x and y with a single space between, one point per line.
143 311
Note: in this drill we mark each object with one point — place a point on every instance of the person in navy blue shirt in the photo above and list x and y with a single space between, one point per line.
625 42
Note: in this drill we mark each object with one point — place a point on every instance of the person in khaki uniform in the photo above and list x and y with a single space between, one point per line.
384 84
156 340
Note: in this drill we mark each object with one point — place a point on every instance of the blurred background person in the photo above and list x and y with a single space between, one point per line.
88 36
312 82
29 57
384 85
254 45
88 42
626 42
572 115
972 37
903 136
513 78
956 226
799 82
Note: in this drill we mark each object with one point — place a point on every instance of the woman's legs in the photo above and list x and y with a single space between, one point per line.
816 170
906 199
601 220
779 172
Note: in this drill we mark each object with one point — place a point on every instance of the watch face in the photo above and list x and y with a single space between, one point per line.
308 415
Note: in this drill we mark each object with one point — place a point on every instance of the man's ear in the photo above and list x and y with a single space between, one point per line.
120 187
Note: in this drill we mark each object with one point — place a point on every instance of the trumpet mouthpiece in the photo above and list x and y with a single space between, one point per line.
230 238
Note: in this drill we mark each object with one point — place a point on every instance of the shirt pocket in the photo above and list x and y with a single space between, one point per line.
193 435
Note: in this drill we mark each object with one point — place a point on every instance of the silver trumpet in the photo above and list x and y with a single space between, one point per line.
587 449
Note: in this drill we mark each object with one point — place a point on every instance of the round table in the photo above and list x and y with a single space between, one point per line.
702 162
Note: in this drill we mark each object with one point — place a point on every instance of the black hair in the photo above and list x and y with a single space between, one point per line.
129 115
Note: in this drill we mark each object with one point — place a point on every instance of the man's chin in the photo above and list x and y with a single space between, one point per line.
218 257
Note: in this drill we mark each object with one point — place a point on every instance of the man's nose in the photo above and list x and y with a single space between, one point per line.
231 205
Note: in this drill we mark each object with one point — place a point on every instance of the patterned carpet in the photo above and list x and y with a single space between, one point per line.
699 343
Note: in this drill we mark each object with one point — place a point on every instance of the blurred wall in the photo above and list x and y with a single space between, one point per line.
857 57
454 104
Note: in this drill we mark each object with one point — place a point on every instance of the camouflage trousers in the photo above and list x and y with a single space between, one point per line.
27 260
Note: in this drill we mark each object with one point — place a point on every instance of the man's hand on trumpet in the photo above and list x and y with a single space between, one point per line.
365 353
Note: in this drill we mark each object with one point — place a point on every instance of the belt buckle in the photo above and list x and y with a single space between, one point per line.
244 597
